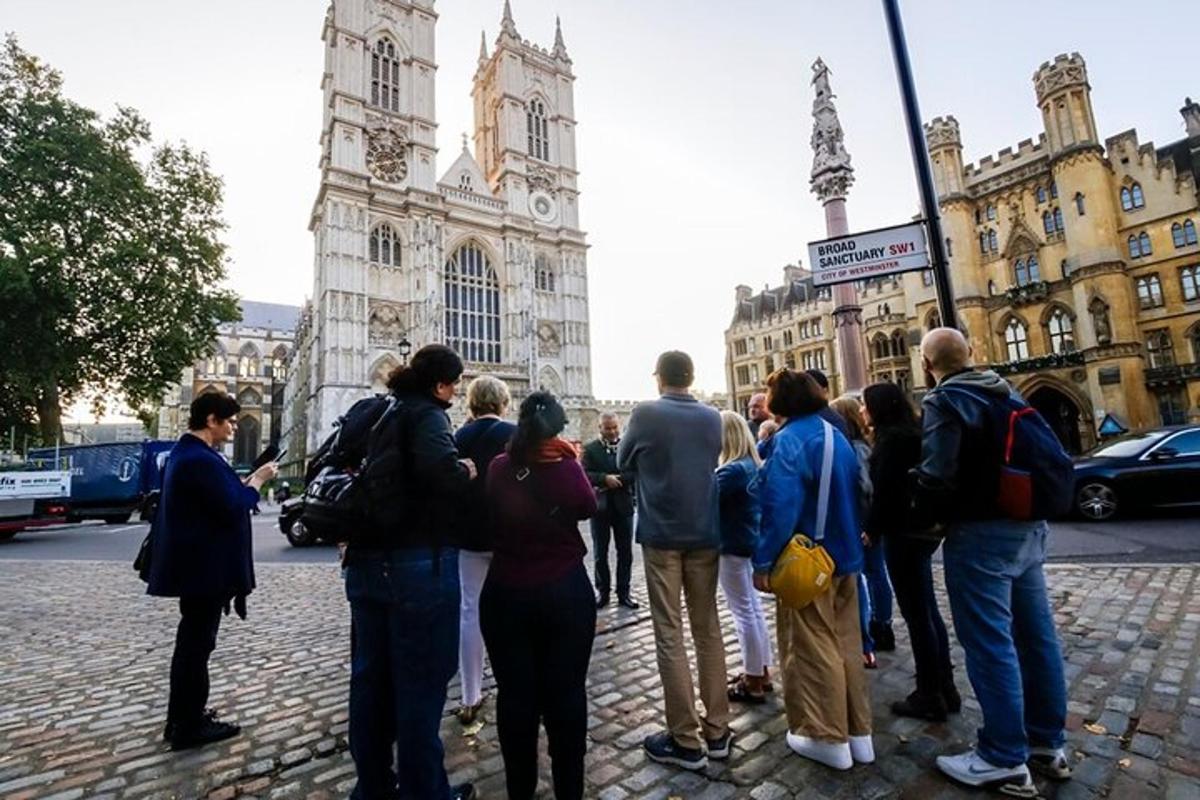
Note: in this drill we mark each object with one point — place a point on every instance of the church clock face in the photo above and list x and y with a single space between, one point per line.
543 207
386 156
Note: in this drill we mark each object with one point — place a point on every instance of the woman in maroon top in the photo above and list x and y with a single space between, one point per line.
537 610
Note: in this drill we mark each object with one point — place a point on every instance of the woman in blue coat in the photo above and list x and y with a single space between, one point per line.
201 553
739 533
820 646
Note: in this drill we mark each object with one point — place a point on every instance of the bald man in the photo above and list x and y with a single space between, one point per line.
994 577
756 412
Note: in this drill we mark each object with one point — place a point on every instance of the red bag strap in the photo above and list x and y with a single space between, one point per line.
1012 431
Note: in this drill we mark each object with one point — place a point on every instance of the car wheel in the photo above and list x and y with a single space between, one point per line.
1096 501
300 536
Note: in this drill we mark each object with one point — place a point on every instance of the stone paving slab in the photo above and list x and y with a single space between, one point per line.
84 659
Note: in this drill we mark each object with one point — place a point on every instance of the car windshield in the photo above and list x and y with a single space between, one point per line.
1129 445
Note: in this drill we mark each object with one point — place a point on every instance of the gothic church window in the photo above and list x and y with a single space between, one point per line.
385 246
543 278
385 76
1189 279
1132 197
1160 349
471 294
1144 243
248 362
1183 235
537 129
1149 292
1062 332
1135 247
1016 340
1041 195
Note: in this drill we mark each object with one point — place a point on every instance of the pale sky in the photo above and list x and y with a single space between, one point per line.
694 122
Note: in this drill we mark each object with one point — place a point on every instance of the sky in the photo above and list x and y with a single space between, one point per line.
694 122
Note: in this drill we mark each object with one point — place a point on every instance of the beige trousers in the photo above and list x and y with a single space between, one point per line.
694 573
825 687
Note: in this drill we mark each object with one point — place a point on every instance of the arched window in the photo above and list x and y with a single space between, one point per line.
1159 349
1135 249
899 345
248 361
1021 272
1189 232
880 346
385 76
949 248
1016 340
465 183
1189 279
1177 235
1062 332
246 442
1079 203
543 278
934 320
538 129
1149 291
1041 195
385 246
1144 243
978 217
472 297
991 213
1035 270
993 241
1047 222
279 365
1053 190
1126 199
1135 193
983 241
1058 220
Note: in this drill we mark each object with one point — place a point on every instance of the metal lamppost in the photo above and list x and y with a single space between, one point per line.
939 263
405 348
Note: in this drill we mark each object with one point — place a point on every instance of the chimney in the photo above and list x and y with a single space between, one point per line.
793 273
744 293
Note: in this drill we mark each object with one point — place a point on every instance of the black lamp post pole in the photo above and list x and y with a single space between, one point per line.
916 139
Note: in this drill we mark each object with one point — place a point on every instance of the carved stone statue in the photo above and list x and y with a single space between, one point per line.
831 170
1100 321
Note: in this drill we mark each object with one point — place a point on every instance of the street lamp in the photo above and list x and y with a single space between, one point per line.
405 347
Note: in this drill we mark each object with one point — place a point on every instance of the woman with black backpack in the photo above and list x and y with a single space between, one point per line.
402 584
537 609
896 436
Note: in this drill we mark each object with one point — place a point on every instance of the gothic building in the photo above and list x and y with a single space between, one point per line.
1076 272
487 257
248 359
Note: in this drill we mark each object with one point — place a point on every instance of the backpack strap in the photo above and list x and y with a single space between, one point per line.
1016 411
826 474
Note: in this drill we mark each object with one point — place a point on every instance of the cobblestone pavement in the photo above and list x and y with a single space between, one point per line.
84 660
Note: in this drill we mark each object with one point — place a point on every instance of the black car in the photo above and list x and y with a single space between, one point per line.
1153 469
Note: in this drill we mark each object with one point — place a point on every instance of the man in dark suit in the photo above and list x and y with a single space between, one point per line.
201 553
614 496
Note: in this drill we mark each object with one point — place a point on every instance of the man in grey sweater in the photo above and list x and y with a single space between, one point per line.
671 446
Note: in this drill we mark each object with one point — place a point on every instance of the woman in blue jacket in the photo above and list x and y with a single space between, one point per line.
739 531
202 555
820 647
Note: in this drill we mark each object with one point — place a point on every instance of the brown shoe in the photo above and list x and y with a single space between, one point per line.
468 714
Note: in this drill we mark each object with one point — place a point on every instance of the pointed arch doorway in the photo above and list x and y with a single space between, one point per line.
1062 414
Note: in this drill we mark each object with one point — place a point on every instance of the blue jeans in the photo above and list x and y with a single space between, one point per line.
1002 617
404 616
878 586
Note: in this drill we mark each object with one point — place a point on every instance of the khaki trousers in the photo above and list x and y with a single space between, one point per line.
694 572
825 687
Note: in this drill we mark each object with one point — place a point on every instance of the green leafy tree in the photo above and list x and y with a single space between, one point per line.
110 254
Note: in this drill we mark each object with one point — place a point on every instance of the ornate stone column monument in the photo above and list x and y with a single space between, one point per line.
832 177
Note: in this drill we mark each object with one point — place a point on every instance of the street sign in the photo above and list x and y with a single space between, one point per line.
860 256
51 484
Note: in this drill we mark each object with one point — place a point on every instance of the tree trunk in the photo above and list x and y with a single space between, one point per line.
49 411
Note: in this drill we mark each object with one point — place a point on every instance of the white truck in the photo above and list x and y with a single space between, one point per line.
32 499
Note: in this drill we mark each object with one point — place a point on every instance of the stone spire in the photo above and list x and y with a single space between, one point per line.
506 22
560 47
832 174
1191 117
483 53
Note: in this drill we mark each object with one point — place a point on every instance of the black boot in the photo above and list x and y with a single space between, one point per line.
884 638
929 707
951 697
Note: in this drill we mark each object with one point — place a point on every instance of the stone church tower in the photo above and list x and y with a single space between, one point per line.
489 258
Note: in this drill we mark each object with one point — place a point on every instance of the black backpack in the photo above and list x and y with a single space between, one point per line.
332 494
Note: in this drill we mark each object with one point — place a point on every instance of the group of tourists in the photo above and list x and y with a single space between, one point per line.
485 556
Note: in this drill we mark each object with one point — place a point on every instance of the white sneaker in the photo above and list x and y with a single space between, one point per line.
970 768
1051 762
862 749
831 754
